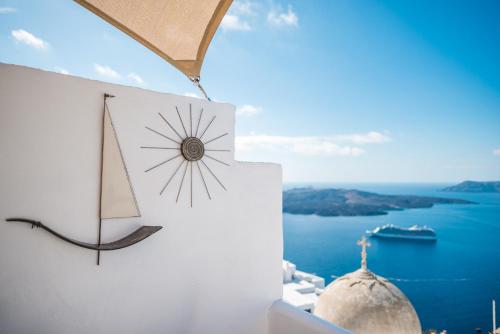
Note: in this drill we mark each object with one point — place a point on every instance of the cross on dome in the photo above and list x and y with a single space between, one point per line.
363 243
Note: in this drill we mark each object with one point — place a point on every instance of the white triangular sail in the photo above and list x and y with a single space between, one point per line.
117 196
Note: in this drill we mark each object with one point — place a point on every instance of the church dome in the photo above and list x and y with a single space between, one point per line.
365 303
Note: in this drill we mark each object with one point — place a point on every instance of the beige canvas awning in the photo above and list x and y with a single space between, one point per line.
179 31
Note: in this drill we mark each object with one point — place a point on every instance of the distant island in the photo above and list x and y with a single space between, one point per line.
475 187
351 202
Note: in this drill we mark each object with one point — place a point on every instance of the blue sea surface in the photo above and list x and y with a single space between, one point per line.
451 283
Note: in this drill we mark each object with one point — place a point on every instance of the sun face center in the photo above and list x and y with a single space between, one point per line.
192 149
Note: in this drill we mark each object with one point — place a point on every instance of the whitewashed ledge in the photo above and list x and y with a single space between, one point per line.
284 318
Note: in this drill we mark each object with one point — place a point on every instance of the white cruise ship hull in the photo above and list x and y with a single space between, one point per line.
396 236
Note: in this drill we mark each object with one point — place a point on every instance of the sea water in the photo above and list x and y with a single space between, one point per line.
450 282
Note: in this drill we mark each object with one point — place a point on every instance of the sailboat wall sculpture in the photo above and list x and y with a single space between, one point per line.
117 199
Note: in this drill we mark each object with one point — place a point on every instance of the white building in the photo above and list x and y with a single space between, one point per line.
301 289
213 268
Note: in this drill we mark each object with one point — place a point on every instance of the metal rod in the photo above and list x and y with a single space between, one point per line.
171 177
182 123
190 121
199 120
214 150
191 167
222 162
200 87
204 164
196 82
161 134
161 163
494 317
170 125
213 139
203 179
162 148
182 182
203 133
106 96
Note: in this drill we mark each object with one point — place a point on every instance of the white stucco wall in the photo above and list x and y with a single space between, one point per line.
287 319
213 268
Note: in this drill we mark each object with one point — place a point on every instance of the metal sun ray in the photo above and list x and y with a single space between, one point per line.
214 139
190 121
170 125
203 179
199 120
171 177
182 181
188 160
203 133
161 134
222 162
204 164
182 123
162 163
161 148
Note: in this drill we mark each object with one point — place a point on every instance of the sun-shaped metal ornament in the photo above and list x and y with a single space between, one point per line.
192 150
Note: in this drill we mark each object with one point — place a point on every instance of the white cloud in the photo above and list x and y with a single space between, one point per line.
136 78
22 36
234 22
61 70
496 152
278 17
106 71
7 10
372 137
312 145
301 145
243 8
237 19
248 110
190 94
462 167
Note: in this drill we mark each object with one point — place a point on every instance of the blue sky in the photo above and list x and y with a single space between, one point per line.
336 91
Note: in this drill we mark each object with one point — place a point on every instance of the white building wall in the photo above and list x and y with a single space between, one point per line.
287 319
213 268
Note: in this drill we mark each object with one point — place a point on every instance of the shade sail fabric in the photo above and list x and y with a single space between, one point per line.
179 31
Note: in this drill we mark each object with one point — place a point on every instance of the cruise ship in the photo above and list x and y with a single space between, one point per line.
392 231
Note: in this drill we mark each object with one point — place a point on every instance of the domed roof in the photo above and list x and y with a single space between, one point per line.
363 302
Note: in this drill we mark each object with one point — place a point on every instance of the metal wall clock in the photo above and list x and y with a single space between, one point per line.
191 150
